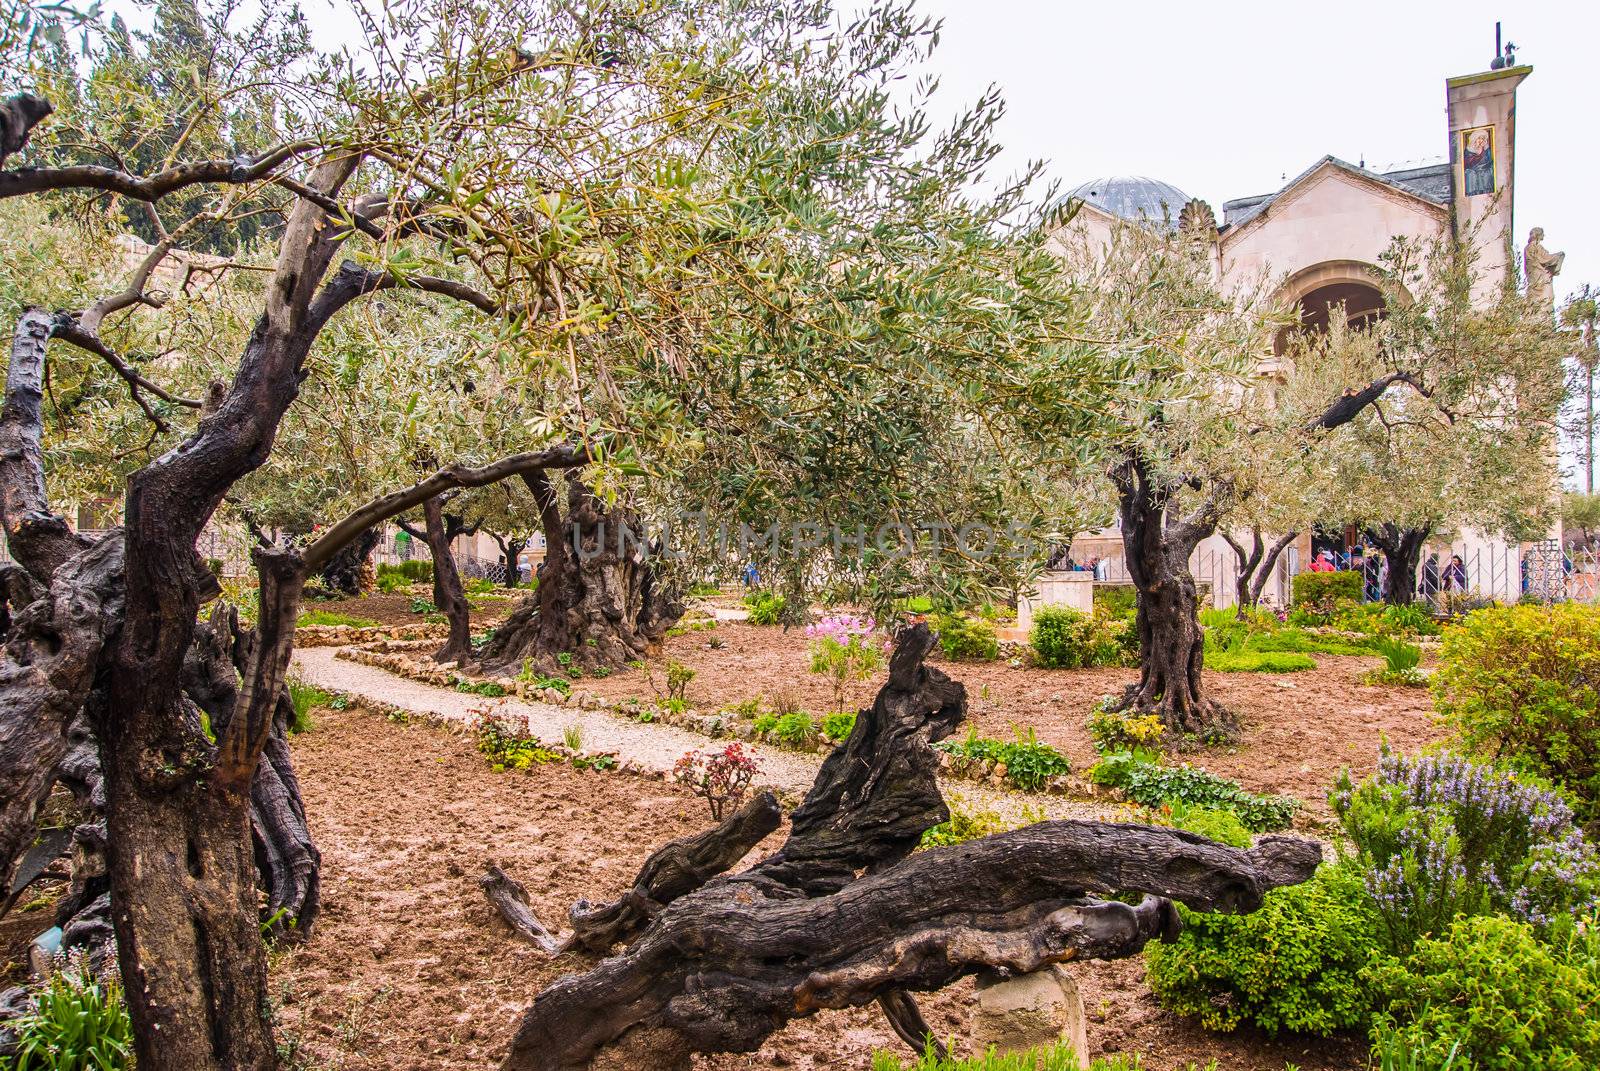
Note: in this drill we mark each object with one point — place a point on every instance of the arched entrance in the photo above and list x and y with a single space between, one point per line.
1322 289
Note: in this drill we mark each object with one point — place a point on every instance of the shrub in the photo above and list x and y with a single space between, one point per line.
1324 593
845 650
1510 1001
478 585
766 607
1384 619
391 582
1215 823
1295 964
1111 731
1116 600
967 638
1400 661
423 606
1029 762
1068 639
1523 684
77 1023
334 617
678 678
720 776
964 824
839 725
1441 836
1153 785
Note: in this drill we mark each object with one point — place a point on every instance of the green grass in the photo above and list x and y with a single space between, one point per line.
333 617
1052 1058
306 697
1248 661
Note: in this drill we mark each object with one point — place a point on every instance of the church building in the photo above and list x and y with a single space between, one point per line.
1322 235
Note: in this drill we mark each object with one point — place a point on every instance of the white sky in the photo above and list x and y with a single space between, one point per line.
1226 98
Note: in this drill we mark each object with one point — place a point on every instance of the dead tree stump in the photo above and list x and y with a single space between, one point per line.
842 914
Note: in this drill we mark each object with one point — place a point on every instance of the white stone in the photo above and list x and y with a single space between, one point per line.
1027 1011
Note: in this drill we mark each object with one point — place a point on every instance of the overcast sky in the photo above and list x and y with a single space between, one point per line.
1226 98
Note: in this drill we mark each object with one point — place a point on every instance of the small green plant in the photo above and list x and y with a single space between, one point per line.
1400 661
77 1024
506 739
1111 731
305 697
838 726
1067 639
797 729
1048 1058
1247 661
491 689
388 583
745 708
678 678
1029 762
1393 1052
969 823
423 606
572 737
333 617
1153 785
1215 823
844 649
765 607
478 585
966 638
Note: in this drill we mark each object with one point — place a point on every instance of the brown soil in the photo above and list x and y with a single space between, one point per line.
1298 729
409 968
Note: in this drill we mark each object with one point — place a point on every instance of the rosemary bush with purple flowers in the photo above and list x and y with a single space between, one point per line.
1442 836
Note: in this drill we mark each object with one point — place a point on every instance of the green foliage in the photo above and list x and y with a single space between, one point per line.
703 591
1400 661
1029 762
1509 1000
1116 600
1216 823
388 583
1325 593
1386 619
1295 964
1111 731
1247 661
77 1024
492 689
795 729
572 737
423 606
678 678
965 638
766 607
838 725
478 585
305 696
1441 836
1067 639
415 571
845 649
964 824
1391 1052
1523 683
334 617
507 743
1153 785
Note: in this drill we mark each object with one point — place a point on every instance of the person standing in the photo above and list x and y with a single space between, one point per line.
1430 577
1455 574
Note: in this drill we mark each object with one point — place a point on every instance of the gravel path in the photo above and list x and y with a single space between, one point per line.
651 745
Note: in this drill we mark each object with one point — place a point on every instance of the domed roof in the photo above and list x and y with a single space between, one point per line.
1133 197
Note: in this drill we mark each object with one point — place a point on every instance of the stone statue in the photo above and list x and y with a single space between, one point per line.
1541 268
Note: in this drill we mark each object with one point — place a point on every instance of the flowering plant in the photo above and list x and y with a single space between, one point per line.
720 776
1442 836
506 739
844 649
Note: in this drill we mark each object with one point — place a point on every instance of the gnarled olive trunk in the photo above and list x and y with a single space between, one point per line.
1157 546
511 548
347 573
1255 566
1402 549
448 594
598 600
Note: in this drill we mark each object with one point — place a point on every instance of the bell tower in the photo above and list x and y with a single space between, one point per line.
1482 117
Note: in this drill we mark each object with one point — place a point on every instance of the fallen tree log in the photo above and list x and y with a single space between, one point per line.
511 899
840 916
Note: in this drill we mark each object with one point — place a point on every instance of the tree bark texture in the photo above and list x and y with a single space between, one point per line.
1157 545
840 915
1402 548
346 573
598 599
448 594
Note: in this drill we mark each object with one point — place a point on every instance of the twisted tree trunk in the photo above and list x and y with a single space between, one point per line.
1402 548
839 916
347 572
598 600
511 548
1157 546
448 594
1255 566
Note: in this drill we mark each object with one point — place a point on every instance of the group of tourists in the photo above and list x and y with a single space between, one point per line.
1373 565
